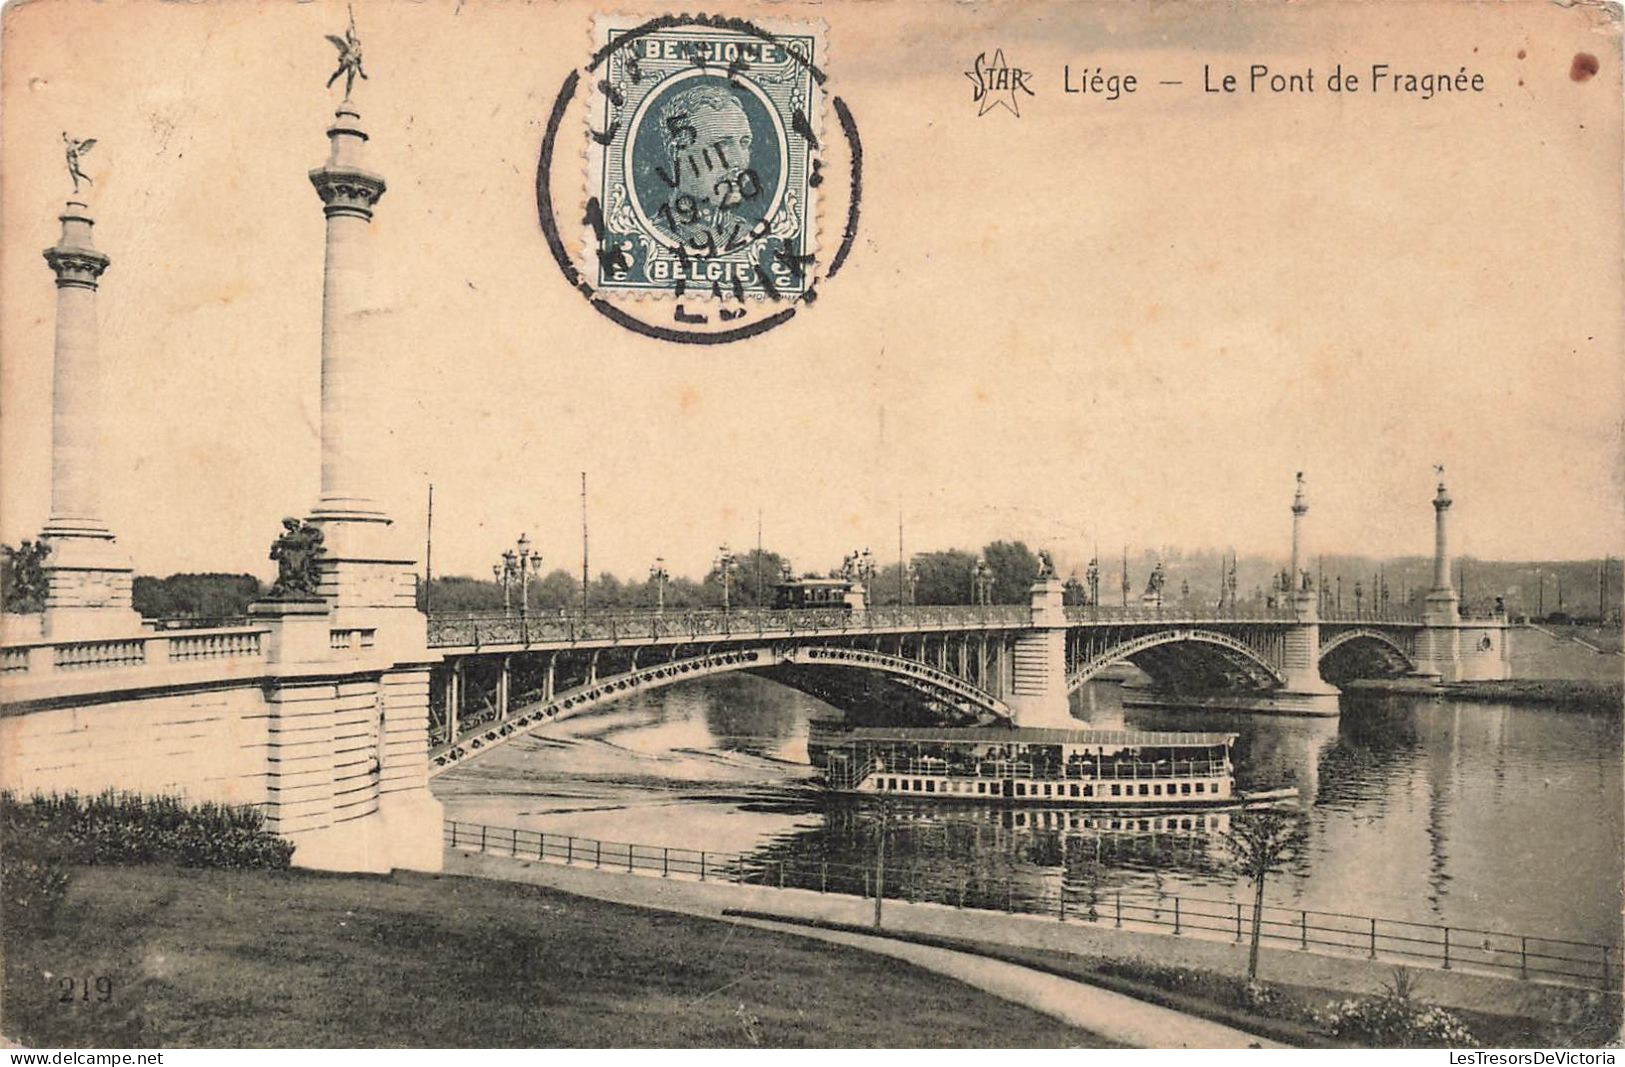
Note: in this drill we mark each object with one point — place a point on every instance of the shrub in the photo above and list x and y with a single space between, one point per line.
31 892
1257 996
126 828
1396 1018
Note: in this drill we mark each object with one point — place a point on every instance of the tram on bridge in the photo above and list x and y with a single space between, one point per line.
811 592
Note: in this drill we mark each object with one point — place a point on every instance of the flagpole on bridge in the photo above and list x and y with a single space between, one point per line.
428 554
583 543
902 569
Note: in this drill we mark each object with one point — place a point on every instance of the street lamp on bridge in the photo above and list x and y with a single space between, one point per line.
659 576
725 565
981 583
515 569
1359 594
863 566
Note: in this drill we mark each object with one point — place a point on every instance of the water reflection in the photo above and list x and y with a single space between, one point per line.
1475 815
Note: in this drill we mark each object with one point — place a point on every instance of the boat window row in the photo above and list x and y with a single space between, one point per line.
1047 789
1042 761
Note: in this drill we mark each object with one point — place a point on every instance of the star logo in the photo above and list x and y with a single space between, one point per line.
997 83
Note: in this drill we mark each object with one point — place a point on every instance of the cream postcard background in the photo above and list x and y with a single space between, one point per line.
1129 321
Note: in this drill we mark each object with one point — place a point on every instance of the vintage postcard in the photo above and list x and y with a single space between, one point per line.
860 525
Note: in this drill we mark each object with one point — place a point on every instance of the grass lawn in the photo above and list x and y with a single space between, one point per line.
202 958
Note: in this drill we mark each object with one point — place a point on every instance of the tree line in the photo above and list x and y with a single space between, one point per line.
1577 589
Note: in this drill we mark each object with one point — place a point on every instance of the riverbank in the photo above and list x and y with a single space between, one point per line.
1513 1012
215 958
1564 693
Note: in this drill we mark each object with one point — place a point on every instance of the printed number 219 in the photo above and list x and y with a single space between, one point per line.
85 989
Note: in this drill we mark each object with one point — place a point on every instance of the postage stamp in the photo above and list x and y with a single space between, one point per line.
702 160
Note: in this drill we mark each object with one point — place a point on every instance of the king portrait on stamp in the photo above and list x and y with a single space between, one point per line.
703 160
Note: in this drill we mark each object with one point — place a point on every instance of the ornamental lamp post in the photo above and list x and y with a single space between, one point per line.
529 563
725 565
659 576
515 569
499 573
982 583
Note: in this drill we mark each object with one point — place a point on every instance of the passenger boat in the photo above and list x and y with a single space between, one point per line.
1106 768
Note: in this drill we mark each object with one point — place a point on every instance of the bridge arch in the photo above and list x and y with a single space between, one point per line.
598 691
1362 651
1225 654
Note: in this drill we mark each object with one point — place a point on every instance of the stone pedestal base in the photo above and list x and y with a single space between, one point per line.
299 630
1441 608
88 583
370 580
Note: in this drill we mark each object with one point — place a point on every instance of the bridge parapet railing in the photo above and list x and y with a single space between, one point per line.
631 627
1531 957
1391 615
31 660
1096 613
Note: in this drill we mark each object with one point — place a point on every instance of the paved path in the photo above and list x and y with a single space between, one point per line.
1112 1016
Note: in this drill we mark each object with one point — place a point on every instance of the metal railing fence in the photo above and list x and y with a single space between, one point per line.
477 629
1526 956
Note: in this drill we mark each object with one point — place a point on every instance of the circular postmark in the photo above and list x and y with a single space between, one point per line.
707 167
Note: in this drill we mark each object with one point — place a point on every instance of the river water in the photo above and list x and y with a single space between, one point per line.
1478 815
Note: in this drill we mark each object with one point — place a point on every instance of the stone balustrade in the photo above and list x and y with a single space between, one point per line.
25 665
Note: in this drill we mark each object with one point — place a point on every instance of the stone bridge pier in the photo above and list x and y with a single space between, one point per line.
1039 694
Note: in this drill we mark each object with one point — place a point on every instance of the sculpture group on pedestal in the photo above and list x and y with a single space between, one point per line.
296 552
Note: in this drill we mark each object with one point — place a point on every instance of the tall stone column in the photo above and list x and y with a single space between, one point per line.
88 575
1305 692
1300 508
348 194
1442 603
364 569
1305 603
1438 643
